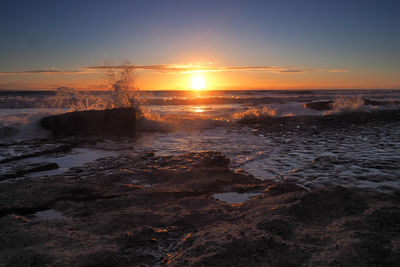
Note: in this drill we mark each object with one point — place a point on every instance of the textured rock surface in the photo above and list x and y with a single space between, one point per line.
117 121
148 210
312 124
20 169
326 105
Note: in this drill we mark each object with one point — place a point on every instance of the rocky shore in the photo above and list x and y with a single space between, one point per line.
147 210
328 122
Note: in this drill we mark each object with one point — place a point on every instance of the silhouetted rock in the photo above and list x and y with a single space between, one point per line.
117 121
319 105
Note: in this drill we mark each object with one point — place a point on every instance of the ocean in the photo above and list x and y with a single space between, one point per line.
365 155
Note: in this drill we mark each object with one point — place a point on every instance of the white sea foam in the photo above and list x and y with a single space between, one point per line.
354 156
347 104
23 124
254 114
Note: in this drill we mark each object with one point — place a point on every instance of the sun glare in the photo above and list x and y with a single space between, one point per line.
197 83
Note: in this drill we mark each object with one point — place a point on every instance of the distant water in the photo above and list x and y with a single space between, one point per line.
184 121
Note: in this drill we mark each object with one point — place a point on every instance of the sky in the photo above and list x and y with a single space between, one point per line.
236 44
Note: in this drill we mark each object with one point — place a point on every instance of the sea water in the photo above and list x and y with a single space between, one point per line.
189 121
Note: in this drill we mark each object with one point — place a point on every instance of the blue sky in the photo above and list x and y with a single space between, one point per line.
357 36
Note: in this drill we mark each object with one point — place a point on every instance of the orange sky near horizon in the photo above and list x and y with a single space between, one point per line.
215 78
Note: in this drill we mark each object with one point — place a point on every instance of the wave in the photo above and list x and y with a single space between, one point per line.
24 124
171 123
316 124
84 101
254 114
65 97
155 122
346 105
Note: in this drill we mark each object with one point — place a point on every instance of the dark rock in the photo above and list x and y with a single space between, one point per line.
319 105
371 250
315 124
276 226
327 203
176 221
22 169
282 188
327 105
117 121
215 159
30 151
29 258
379 103
101 258
384 220
7 131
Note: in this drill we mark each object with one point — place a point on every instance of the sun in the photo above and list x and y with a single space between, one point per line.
197 83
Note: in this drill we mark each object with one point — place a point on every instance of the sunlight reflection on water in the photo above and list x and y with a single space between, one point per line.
198 109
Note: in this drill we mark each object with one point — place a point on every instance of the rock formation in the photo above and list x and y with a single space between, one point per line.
117 121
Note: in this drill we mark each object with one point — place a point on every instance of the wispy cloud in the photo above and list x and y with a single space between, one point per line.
26 85
45 72
188 68
338 70
176 69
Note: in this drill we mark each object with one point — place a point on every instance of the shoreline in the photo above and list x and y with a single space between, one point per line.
192 209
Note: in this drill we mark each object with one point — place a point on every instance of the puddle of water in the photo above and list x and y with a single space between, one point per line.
134 181
49 214
233 197
78 157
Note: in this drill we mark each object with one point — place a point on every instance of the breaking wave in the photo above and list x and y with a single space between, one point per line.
24 125
254 114
347 104
155 122
175 111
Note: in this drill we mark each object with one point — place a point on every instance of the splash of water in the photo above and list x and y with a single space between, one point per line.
346 104
254 114
151 121
123 93
74 100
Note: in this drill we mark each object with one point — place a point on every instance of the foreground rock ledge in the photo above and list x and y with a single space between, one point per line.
117 121
149 211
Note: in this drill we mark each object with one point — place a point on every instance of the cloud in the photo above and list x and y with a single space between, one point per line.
295 71
26 86
176 69
338 70
45 72
188 68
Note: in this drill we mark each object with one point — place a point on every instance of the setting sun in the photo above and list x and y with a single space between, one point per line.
197 83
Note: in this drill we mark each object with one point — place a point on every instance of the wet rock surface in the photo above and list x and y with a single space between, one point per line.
117 121
333 150
147 210
314 124
327 105
14 151
18 159
18 170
